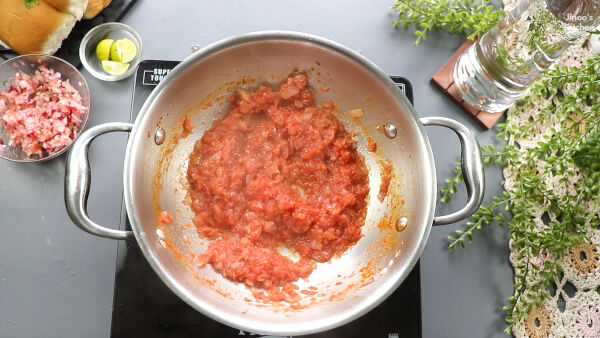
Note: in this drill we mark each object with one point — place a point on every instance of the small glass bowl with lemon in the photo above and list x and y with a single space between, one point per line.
111 51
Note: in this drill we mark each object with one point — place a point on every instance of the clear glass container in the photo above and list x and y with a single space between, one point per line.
28 64
496 71
109 30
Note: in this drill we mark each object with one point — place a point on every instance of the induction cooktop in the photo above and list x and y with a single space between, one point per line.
143 306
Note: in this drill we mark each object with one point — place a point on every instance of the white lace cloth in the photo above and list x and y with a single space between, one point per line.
573 310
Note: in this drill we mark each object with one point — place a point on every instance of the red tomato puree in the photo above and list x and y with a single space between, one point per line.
277 171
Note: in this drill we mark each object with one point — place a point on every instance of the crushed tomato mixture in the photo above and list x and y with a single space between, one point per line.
276 171
41 113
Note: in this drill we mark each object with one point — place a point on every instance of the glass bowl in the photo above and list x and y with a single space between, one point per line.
28 64
110 30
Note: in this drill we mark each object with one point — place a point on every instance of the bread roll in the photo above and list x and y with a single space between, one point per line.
39 29
75 7
94 7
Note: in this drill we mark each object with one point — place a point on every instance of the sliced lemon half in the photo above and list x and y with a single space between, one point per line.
114 68
123 50
103 49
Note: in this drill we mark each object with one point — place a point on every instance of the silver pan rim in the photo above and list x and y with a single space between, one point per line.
239 321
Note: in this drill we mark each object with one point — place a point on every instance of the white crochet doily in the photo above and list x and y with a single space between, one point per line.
573 309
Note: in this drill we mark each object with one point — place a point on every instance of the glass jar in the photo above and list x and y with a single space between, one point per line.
497 70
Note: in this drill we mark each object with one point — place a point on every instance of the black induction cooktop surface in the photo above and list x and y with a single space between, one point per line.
143 306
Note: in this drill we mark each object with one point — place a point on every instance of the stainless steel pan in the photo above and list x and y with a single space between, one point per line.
154 179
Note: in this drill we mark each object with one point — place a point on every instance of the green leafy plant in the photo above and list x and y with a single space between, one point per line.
469 17
588 157
571 111
30 3
451 183
568 151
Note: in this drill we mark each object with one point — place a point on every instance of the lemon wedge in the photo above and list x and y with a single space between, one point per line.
103 49
123 50
114 68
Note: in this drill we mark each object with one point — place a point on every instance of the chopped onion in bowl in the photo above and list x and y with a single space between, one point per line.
40 113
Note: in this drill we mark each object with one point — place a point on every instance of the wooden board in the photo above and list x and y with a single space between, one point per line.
443 80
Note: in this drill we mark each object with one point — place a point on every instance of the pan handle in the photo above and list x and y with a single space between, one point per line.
472 168
77 181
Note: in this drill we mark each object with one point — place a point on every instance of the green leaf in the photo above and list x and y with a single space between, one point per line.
30 3
466 17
